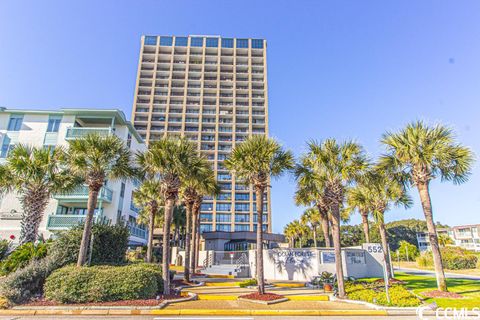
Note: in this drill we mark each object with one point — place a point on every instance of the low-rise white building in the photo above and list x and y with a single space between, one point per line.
55 128
466 236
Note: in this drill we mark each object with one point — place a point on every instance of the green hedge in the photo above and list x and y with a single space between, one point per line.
72 284
375 293
453 258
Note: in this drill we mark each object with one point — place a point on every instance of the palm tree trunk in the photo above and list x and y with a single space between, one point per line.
366 226
34 204
423 189
188 209
315 236
87 228
197 242
325 226
151 226
193 244
260 277
169 204
338 249
386 252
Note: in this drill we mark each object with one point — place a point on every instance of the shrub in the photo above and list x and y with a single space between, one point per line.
4 248
406 252
110 243
453 258
21 256
375 293
72 284
248 283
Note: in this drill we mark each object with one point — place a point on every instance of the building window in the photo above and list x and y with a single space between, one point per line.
206 207
205 228
54 123
15 123
264 207
122 190
225 186
196 42
224 196
166 41
227 43
242 196
257 43
242 227
212 42
242 207
150 41
242 218
206 217
242 43
223 206
223 227
223 217
264 227
129 140
223 176
6 147
181 41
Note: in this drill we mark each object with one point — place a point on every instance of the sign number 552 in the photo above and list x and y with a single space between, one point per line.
374 249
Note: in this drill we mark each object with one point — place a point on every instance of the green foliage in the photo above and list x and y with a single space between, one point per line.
406 252
4 248
110 244
73 284
248 283
454 258
375 293
21 256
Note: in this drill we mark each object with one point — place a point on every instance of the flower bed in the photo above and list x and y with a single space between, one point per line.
441 294
262 297
374 292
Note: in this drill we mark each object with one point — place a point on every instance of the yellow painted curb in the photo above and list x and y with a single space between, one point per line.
222 284
216 312
165 312
353 313
215 297
221 276
288 285
18 312
308 298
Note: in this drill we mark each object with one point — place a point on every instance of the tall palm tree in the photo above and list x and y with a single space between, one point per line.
97 159
35 174
310 192
418 154
149 198
191 187
172 161
290 233
358 198
311 218
337 167
256 160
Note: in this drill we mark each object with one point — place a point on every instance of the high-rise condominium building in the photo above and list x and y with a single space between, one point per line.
213 91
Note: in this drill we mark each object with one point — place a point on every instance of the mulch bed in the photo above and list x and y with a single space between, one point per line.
262 297
136 303
181 282
390 281
441 294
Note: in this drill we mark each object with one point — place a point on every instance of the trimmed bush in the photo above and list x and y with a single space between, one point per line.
21 256
248 283
4 248
375 293
453 258
72 284
406 252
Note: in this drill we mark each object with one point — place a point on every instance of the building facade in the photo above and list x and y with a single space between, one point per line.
467 237
213 91
55 128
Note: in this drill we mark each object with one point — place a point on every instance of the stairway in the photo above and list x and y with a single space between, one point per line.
228 270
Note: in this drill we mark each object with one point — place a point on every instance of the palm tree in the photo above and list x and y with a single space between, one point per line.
417 155
311 218
191 187
337 167
256 160
444 240
290 233
35 174
310 192
96 159
148 197
172 161
357 198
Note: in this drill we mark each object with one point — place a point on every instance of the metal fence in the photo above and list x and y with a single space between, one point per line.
229 257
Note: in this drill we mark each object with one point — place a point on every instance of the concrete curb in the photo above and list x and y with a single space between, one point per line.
217 312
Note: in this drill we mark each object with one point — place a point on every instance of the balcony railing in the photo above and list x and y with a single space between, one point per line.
81 193
80 132
137 232
67 221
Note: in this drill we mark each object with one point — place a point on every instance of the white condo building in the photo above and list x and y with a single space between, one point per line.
50 128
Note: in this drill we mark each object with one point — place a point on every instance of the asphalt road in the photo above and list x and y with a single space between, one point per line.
432 273
197 318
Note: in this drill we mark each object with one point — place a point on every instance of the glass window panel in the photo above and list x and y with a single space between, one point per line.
227 43
15 123
212 42
196 42
206 228
166 41
223 227
257 43
54 124
150 40
223 206
242 43
181 41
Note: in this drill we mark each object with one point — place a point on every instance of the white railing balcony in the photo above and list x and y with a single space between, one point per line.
137 232
81 132
67 221
81 194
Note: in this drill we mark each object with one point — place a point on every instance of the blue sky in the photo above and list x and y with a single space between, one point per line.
343 69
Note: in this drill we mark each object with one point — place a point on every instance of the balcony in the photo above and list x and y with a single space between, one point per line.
137 232
67 221
81 132
81 194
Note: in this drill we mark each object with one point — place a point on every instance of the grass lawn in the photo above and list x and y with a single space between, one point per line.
405 264
470 289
